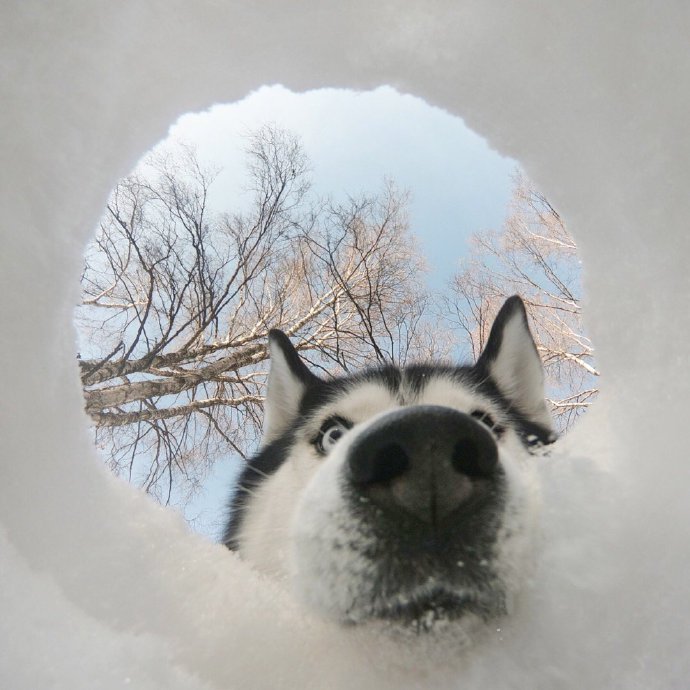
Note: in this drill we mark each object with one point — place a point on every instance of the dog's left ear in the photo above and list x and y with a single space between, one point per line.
288 379
511 359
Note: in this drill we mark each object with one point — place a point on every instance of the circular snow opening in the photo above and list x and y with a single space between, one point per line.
223 231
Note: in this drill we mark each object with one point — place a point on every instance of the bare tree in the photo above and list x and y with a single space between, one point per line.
178 299
533 255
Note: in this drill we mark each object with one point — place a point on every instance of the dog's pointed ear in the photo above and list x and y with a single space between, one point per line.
511 359
288 379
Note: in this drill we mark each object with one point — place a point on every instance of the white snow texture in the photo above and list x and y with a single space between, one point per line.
99 588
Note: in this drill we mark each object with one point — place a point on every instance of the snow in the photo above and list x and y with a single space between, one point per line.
103 589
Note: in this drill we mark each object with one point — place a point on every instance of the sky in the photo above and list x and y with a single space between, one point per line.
354 140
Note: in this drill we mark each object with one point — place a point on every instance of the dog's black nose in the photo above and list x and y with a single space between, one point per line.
424 459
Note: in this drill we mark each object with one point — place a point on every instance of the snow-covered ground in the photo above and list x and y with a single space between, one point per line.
100 588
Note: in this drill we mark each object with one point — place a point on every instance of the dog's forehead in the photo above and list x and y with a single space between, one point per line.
365 400
360 399
441 390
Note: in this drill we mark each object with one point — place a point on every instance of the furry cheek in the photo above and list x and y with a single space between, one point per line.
516 544
326 568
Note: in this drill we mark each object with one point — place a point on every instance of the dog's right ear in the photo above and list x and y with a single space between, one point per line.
288 379
511 359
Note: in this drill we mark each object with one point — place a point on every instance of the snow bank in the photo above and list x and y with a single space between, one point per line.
100 588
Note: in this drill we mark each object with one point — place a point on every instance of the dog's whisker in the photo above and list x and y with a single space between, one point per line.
246 490
256 470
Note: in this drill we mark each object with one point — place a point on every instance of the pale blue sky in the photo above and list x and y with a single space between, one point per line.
354 139
458 184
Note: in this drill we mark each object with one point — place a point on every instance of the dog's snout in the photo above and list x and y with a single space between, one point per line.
424 459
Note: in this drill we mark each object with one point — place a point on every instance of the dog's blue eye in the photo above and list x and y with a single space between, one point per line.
329 433
486 419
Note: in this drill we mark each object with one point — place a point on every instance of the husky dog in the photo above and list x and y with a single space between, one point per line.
399 496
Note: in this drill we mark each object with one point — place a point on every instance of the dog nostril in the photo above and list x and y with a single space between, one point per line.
474 459
380 465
